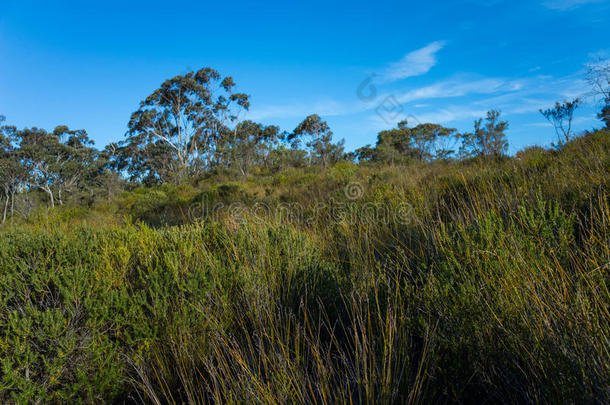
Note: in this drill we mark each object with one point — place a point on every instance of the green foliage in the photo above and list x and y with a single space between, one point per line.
76 303
535 158
451 281
180 126
343 172
423 142
319 144
561 116
488 139
160 205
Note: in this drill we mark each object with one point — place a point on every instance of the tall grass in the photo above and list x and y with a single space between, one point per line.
492 287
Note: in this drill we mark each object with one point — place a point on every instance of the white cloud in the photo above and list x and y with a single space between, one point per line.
444 116
538 92
437 102
512 97
459 87
541 124
414 63
563 5
452 113
587 120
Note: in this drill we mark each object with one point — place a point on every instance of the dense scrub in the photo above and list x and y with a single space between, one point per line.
481 280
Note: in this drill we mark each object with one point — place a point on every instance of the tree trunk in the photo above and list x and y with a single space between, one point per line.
12 204
5 209
50 193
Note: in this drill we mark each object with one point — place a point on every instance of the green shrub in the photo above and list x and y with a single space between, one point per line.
493 288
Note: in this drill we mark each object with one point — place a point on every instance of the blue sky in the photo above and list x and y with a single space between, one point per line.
362 66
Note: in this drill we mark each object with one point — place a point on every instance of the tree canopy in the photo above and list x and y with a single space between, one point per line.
561 116
423 142
488 138
318 140
178 128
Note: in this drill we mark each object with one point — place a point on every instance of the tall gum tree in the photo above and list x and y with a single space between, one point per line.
319 142
180 125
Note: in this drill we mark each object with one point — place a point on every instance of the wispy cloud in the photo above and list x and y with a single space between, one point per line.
563 5
452 113
512 96
462 96
443 116
536 93
415 63
458 87
587 120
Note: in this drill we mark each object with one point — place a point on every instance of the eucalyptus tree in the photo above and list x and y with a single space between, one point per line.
366 153
598 75
249 144
561 116
78 162
394 145
55 162
39 152
488 139
179 126
148 162
403 144
287 152
106 178
319 142
12 173
431 142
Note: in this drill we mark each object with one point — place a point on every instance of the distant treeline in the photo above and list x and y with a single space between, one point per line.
191 126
